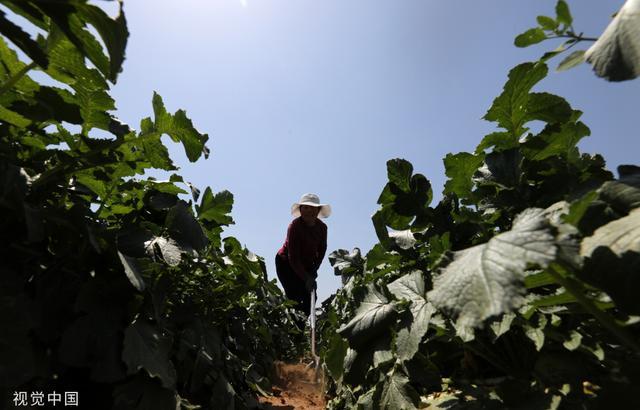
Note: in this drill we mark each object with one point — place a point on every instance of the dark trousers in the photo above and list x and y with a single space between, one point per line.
293 286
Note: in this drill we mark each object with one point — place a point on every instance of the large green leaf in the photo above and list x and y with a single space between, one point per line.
179 128
67 65
511 108
487 280
356 364
411 287
12 69
334 360
66 18
460 169
184 228
403 198
113 33
501 140
556 140
501 168
146 347
547 107
379 257
216 208
73 18
399 172
397 393
374 314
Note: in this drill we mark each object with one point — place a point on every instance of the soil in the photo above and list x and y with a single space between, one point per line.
295 387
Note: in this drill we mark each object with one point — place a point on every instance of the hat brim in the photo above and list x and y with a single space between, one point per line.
325 209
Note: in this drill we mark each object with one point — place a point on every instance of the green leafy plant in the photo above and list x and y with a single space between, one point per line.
112 284
513 291
560 27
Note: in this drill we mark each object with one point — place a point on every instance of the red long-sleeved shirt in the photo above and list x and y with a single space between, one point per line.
304 246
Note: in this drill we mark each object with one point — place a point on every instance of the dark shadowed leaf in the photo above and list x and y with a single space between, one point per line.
616 275
113 33
410 287
184 228
547 107
397 393
143 393
94 341
337 350
132 271
380 226
23 40
223 397
146 347
399 172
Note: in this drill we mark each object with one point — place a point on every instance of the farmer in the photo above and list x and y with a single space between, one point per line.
298 260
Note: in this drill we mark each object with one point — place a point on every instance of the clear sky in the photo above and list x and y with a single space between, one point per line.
316 95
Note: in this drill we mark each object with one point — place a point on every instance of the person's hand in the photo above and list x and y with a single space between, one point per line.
310 283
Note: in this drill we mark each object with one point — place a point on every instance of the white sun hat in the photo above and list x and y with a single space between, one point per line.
311 200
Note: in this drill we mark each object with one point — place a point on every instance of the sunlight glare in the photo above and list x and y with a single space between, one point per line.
243 3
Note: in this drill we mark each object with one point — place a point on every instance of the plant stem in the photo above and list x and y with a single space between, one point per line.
16 77
575 288
575 37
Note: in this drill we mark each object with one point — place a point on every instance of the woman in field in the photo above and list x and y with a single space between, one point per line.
298 260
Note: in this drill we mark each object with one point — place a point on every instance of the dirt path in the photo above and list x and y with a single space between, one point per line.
294 388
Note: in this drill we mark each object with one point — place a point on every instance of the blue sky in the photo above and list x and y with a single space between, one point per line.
315 96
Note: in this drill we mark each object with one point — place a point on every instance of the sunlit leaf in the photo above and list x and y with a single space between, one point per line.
530 37
487 280
372 317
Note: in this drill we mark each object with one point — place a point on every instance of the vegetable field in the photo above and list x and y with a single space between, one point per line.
518 289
